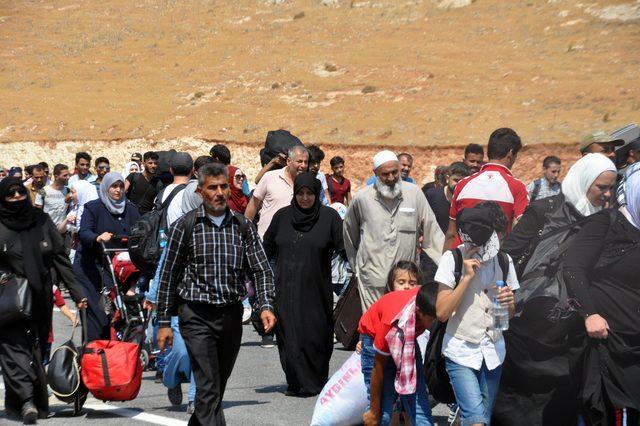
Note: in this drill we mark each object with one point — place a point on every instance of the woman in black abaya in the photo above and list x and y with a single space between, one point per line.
30 245
302 238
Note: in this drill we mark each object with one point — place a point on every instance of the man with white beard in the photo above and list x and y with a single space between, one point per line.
384 224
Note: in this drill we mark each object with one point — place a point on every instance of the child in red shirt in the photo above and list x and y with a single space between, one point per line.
375 325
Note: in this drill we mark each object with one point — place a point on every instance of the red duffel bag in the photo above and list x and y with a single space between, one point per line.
112 370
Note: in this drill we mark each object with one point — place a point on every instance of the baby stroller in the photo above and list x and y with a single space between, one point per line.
129 318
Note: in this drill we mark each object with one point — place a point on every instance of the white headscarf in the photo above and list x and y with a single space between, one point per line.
85 192
580 178
632 198
127 167
114 207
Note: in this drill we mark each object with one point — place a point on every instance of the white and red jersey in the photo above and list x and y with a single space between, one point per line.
494 182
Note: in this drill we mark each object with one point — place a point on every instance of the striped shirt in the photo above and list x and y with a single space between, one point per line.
211 264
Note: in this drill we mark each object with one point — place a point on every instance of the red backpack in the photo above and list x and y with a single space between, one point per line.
112 370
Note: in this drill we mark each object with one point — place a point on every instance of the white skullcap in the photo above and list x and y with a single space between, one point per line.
383 157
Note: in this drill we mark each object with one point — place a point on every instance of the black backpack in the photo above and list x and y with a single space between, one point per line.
435 373
144 247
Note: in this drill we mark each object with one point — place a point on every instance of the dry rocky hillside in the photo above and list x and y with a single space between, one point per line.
118 76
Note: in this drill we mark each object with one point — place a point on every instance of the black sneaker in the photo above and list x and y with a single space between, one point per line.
29 413
175 395
158 378
191 408
267 342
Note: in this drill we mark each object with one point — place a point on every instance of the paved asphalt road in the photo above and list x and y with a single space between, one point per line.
254 394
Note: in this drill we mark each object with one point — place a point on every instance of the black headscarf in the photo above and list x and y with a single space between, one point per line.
304 219
23 218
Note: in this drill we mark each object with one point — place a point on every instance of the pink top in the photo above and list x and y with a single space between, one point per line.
275 192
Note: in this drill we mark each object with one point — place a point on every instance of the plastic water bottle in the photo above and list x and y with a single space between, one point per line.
163 239
500 313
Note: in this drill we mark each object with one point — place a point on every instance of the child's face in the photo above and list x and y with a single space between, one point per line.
404 280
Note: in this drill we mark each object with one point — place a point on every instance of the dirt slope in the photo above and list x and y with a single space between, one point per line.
394 72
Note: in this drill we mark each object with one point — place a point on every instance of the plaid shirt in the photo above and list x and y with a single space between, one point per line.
402 346
209 265
545 191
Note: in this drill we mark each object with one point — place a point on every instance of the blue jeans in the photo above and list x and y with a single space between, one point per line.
475 391
367 357
416 405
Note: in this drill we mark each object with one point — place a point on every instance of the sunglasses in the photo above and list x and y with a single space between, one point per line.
20 190
107 168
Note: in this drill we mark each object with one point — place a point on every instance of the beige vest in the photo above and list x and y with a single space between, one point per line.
474 317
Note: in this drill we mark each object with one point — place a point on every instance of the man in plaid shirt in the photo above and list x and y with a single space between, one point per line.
209 253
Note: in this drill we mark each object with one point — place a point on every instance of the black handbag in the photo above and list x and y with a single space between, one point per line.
63 371
346 315
15 299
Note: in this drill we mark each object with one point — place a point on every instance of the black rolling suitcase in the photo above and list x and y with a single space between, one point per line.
346 315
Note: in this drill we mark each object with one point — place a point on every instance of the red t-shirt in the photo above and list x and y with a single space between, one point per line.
494 182
337 191
58 300
376 322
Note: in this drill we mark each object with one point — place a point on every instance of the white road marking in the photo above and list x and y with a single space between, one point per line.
136 415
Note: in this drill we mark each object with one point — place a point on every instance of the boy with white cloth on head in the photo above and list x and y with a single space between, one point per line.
473 348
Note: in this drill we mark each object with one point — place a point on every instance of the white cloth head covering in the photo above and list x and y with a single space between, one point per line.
127 167
580 178
340 208
115 207
191 200
632 198
85 192
383 157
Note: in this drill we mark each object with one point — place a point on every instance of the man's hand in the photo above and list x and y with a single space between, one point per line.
268 320
279 160
82 304
597 327
165 338
505 296
371 419
149 306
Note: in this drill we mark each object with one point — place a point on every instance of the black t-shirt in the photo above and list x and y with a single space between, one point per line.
440 206
142 192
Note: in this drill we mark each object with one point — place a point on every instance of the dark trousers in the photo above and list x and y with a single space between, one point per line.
212 336
21 362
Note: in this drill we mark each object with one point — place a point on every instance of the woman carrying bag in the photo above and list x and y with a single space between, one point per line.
30 245
108 216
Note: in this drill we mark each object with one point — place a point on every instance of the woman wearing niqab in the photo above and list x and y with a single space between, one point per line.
302 242
30 246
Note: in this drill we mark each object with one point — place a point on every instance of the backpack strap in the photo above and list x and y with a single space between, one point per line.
243 225
164 204
503 261
536 190
457 261
190 222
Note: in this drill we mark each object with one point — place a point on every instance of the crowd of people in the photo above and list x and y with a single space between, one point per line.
555 256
